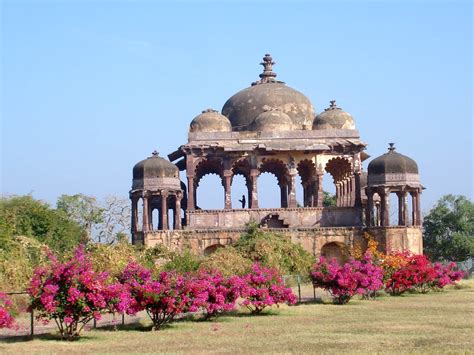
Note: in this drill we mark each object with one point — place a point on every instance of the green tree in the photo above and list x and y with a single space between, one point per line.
83 209
329 200
25 216
449 229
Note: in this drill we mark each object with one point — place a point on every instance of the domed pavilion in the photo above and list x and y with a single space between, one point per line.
270 127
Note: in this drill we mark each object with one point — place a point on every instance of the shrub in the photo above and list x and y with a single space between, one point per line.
72 294
162 298
274 251
227 261
263 287
183 262
6 315
345 281
446 275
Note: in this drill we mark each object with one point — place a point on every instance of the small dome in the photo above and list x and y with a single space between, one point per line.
210 121
155 172
392 163
272 120
333 118
243 108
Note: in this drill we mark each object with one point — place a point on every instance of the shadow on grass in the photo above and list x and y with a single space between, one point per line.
45 337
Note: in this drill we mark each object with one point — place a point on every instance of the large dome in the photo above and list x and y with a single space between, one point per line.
243 108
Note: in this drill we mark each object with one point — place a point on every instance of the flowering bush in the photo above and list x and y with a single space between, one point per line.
6 314
162 298
72 294
215 293
446 275
344 281
420 274
262 288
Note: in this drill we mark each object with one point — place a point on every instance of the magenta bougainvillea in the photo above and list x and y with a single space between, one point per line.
163 297
72 294
343 282
6 313
263 287
215 294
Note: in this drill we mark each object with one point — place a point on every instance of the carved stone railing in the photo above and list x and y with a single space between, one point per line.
294 217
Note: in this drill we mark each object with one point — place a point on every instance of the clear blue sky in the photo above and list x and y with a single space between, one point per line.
90 88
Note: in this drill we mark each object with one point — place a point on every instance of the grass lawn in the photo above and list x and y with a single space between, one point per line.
437 322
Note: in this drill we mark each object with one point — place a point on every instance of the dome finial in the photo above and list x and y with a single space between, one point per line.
268 76
332 106
155 153
391 147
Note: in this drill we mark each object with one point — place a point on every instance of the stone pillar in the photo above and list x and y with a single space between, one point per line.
191 202
254 193
164 211
319 193
145 214
338 194
352 191
419 218
414 216
357 191
401 206
292 192
134 215
227 191
385 205
369 213
284 195
177 212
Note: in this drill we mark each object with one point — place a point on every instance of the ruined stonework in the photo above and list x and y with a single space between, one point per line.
270 127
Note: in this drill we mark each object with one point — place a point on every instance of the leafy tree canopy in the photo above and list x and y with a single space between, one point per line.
449 229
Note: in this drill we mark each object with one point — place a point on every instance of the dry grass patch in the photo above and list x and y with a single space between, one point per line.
432 323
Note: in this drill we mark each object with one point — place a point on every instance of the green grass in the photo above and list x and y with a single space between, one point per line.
437 322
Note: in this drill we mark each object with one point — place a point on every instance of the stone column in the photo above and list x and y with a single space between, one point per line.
419 218
385 205
338 194
401 206
164 211
414 219
254 193
357 191
292 192
318 183
284 195
145 214
191 202
227 191
134 215
177 212
352 191
369 213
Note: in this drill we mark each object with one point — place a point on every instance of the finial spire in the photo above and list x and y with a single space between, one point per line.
391 147
268 76
332 106
155 153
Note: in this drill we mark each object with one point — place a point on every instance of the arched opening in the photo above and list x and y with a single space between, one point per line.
239 189
269 194
376 211
270 197
300 192
334 250
208 176
212 249
209 192
394 209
